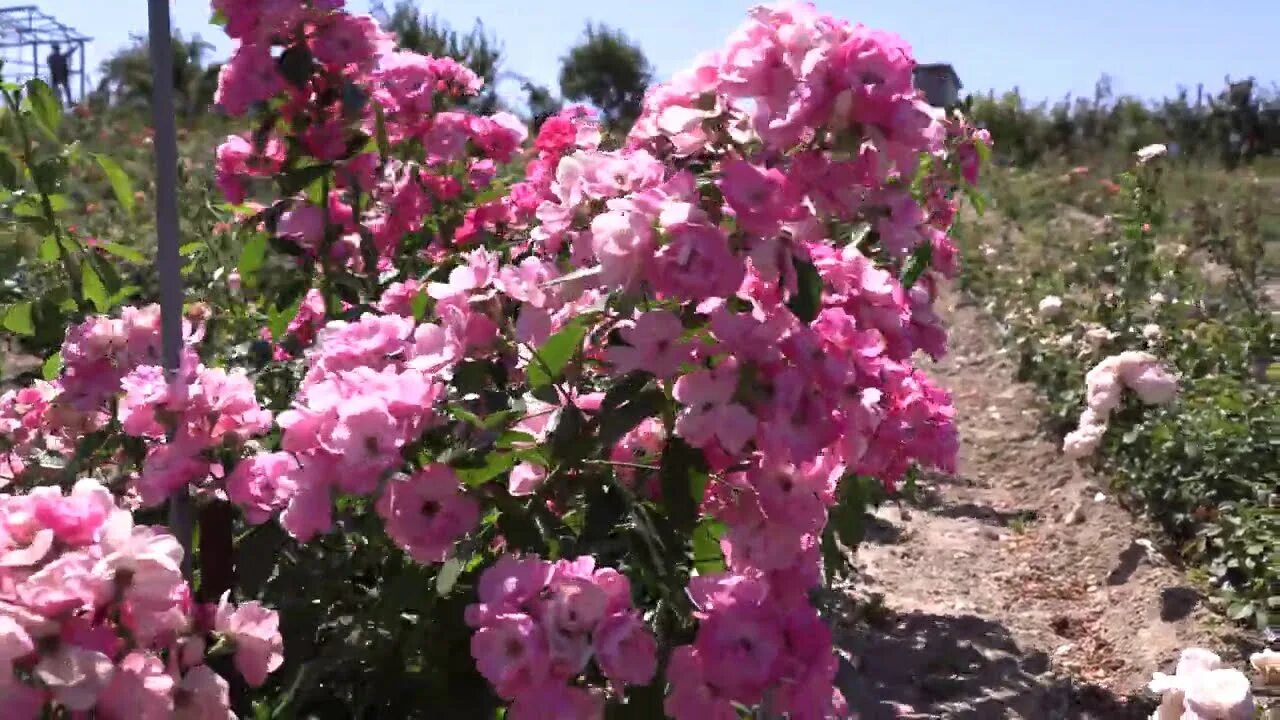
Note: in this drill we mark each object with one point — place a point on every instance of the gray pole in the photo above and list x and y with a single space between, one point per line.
167 261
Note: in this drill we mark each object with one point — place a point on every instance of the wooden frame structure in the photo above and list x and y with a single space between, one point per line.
24 29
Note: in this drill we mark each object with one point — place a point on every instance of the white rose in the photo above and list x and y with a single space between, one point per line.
1050 307
1151 152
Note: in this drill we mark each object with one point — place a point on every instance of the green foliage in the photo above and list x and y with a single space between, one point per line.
1236 125
609 71
127 80
1157 273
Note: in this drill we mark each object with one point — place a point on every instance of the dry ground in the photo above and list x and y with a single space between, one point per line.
1021 588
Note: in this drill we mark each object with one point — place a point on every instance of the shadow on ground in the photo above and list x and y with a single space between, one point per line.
985 514
921 665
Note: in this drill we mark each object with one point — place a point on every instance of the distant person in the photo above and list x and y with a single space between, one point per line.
60 70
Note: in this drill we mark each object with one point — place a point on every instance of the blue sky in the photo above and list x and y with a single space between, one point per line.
1045 47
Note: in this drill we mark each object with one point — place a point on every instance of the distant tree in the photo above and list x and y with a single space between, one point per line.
430 35
127 78
609 71
542 103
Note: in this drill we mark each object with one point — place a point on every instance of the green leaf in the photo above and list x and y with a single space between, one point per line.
419 305
448 576
848 518
808 298
833 560
617 420
511 438
707 555
295 65
495 463
300 179
52 367
59 203
550 359
124 252
44 106
917 264
94 291
380 131
29 206
190 248
257 555
1241 611
568 437
49 248
123 294
278 319
18 319
10 178
495 191
252 256
516 524
976 198
464 415
679 461
984 152
119 179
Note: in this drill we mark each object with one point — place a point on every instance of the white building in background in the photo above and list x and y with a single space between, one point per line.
939 82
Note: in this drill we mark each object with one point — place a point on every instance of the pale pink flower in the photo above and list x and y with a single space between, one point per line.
625 649
202 695
525 479
653 345
426 513
14 643
141 688
75 675
557 701
511 653
262 485
623 243
310 511
710 412
255 631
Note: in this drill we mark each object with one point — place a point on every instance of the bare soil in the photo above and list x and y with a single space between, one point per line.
1020 588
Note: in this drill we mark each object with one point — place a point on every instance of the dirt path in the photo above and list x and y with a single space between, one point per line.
1021 588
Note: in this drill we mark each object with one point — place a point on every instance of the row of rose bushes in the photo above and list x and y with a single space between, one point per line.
1069 292
468 419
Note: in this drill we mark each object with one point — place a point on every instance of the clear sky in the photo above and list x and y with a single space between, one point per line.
1045 47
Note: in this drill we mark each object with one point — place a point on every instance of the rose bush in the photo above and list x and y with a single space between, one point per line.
1158 277
491 418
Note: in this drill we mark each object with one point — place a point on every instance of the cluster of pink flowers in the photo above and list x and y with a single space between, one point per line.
200 410
338 52
538 626
31 421
105 358
750 646
1141 372
95 616
370 389
766 247
99 352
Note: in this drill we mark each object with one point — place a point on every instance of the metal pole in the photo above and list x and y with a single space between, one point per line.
167 261
82 72
35 46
